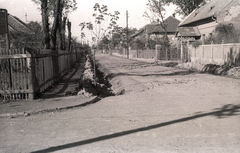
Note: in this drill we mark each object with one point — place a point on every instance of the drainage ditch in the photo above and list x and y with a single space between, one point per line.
94 86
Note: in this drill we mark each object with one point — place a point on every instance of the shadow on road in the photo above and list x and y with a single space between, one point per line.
156 74
225 111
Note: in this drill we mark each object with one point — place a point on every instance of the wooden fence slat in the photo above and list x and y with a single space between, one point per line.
30 73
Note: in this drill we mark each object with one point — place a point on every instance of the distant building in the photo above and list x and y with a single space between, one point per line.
17 28
153 32
156 29
203 20
16 25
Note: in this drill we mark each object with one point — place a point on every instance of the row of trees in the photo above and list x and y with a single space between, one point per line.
56 11
115 36
54 21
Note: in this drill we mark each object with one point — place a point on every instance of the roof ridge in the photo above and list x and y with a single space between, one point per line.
215 6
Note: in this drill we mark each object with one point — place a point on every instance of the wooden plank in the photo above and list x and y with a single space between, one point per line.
15 91
31 78
11 70
15 56
21 69
21 79
17 72
18 55
28 71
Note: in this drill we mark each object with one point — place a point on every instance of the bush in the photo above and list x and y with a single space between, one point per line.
224 32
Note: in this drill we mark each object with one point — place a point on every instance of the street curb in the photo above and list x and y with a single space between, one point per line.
29 113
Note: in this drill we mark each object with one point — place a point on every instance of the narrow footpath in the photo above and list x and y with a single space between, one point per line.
59 96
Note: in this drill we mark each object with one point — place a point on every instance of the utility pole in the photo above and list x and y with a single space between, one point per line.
127 35
26 17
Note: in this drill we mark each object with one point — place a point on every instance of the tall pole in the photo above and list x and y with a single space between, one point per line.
127 35
26 17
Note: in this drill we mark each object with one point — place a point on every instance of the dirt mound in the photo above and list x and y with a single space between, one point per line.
93 86
216 69
234 72
168 64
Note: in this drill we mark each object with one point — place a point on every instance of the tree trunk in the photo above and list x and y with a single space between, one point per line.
53 40
69 35
60 27
59 33
55 25
63 33
45 22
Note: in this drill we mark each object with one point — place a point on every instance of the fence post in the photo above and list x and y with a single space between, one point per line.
32 82
166 54
222 52
157 55
195 53
178 50
202 55
181 51
188 51
211 52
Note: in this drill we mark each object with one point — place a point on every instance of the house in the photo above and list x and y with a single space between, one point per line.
17 31
16 25
203 20
156 29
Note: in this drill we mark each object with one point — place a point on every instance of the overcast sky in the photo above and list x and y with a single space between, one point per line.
135 8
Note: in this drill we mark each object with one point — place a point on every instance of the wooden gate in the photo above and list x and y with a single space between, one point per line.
15 74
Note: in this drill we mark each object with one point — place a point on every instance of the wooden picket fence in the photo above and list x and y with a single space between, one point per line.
25 72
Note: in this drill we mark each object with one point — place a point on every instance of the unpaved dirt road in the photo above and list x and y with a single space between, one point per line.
164 110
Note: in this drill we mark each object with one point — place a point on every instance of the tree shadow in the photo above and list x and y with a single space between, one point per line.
225 111
160 73
63 83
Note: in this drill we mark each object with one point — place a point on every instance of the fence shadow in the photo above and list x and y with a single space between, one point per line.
225 111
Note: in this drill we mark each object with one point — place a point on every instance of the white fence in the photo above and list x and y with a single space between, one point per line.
216 54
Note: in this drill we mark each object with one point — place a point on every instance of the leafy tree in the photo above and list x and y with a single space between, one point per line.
82 36
117 36
124 39
185 7
57 10
224 33
37 37
97 31
156 12
97 28
104 43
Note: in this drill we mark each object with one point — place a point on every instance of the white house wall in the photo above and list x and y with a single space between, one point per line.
208 28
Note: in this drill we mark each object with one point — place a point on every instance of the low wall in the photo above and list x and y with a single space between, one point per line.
220 54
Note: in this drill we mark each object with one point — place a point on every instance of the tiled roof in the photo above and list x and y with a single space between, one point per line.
16 24
215 8
172 24
188 32
155 28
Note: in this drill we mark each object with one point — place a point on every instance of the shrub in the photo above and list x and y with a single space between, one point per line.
224 32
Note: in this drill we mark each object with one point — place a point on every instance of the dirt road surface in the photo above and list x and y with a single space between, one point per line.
157 109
